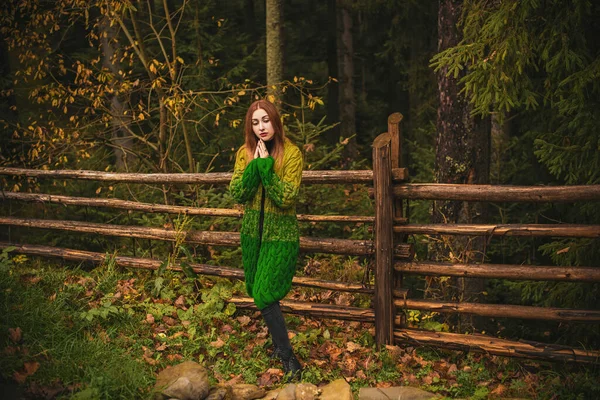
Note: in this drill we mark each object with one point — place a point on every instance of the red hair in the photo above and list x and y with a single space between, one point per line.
278 137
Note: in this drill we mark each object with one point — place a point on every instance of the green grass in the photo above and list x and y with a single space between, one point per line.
104 333
70 352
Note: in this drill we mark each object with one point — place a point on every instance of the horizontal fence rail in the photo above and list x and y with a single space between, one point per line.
497 193
492 345
221 178
540 230
227 239
501 271
162 208
397 298
501 310
153 264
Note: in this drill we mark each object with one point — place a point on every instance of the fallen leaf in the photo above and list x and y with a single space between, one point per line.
15 334
180 302
169 321
29 368
149 360
235 380
452 369
269 378
499 391
150 318
352 347
218 343
244 320
178 334
174 357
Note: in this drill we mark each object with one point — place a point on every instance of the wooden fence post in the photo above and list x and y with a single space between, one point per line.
398 214
384 283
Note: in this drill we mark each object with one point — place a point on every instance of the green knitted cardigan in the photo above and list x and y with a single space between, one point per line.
269 257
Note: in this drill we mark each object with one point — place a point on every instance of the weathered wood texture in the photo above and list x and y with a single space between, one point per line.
161 208
211 178
492 345
152 264
384 241
314 310
501 310
231 239
552 230
501 271
498 193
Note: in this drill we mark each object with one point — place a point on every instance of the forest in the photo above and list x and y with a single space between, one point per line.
491 92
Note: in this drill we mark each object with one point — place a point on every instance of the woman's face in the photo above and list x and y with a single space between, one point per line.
261 125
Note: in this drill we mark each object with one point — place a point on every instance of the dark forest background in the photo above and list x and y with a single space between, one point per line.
502 92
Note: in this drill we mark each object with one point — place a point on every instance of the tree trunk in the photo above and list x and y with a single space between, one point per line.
333 110
462 156
274 16
346 78
120 136
499 141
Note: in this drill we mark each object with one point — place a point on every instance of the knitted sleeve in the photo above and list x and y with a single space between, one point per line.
245 179
282 190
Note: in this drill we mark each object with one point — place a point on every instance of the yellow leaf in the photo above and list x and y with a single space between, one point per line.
98 190
241 92
271 98
141 116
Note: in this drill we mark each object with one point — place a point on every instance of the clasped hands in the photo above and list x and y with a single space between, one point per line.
261 150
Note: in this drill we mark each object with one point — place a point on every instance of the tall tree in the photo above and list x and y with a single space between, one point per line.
462 151
347 101
274 17
333 110
539 63
120 118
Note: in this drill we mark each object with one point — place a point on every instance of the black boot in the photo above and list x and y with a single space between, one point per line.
282 347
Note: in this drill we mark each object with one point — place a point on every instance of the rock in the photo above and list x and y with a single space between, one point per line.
185 381
243 391
306 391
271 394
337 390
221 392
396 393
288 392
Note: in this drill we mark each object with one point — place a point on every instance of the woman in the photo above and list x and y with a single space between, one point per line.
266 178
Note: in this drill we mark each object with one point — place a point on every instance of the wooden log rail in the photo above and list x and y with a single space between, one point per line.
153 264
501 271
456 341
314 309
162 208
211 178
492 345
497 193
228 239
538 230
501 310
479 343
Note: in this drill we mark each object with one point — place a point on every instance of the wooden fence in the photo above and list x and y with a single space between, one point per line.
392 257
